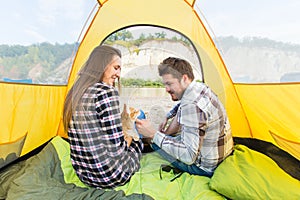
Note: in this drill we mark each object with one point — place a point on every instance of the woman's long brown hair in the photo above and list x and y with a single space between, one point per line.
91 73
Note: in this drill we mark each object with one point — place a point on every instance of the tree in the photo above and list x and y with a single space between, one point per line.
123 35
161 35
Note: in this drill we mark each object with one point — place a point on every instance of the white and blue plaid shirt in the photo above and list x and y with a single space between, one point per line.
205 138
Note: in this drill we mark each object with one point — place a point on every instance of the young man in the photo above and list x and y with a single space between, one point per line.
198 136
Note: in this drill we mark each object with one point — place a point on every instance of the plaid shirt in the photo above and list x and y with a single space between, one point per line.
99 153
205 138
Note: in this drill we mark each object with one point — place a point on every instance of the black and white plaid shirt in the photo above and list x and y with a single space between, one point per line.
99 153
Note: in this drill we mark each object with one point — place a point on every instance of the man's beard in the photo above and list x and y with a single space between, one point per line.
173 97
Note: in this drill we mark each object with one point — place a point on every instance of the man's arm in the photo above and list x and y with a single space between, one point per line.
173 127
171 114
186 146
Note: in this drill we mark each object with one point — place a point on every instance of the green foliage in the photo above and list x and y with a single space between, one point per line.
161 35
125 38
140 40
12 51
120 35
131 82
17 60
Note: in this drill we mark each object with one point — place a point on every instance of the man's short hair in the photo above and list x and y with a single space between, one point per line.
176 67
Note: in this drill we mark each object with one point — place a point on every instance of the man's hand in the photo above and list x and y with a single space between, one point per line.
145 128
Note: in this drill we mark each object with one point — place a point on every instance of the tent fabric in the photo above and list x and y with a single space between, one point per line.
284 160
45 175
268 112
115 14
35 109
248 174
273 108
253 110
290 145
146 180
11 151
42 177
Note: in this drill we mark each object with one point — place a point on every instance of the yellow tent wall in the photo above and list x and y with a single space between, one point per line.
115 14
273 113
268 112
253 110
35 109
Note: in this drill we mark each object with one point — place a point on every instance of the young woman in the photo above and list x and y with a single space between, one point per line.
92 118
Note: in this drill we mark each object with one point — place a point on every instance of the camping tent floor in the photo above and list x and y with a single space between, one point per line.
246 174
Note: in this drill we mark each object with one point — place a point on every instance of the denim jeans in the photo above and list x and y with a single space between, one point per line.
191 169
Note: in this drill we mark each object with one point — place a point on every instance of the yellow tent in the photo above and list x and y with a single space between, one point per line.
264 111
31 114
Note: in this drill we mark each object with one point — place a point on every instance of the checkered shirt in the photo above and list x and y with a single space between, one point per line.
205 138
99 153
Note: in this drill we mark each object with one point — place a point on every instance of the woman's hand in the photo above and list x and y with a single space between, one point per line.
128 139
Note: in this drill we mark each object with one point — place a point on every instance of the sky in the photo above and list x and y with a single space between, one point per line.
35 21
274 19
61 21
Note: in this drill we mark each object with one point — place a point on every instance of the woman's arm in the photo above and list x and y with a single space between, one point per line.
116 148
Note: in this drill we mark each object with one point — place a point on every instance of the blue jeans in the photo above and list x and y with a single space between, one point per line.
191 169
